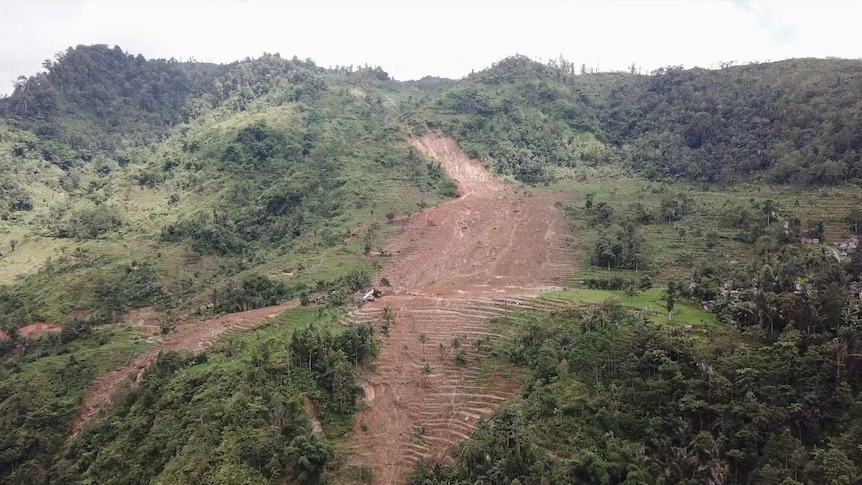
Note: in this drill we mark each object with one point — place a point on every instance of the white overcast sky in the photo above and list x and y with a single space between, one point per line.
412 38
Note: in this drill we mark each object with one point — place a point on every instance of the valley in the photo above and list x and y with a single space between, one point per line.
587 277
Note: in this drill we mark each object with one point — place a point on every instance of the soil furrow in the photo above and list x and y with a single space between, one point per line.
461 265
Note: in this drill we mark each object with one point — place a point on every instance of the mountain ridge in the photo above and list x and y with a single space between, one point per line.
132 216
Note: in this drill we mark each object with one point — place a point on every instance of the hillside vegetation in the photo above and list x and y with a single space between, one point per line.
258 179
185 190
244 196
794 121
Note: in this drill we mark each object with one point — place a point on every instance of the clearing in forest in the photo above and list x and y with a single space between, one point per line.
457 266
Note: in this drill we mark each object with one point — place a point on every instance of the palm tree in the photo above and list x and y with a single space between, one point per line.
387 314
670 304
768 208
423 339
854 217
426 371
631 291
456 342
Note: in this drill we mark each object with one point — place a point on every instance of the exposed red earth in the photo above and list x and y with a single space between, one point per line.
34 329
457 266
189 337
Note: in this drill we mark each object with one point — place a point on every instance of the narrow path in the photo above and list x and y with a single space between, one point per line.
192 338
457 266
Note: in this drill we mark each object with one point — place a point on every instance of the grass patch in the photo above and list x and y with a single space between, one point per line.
674 248
651 301
121 346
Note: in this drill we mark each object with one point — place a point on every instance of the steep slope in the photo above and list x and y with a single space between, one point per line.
96 97
277 162
128 183
192 337
247 203
794 121
457 266
493 239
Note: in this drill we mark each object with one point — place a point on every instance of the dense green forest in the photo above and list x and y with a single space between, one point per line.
232 415
795 121
771 396
91 94
193 189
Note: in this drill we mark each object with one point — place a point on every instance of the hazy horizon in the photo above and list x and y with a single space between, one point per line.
411 40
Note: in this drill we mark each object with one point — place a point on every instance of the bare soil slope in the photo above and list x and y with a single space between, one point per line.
461 264
191 337
492 240
33 330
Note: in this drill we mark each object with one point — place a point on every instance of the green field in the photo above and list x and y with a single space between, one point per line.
652 302
674 249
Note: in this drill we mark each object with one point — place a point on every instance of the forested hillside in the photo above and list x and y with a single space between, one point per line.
140 197
96 97
770 395
261 167
794 121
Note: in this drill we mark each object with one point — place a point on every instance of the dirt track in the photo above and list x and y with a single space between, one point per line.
187 338
34 329
457 266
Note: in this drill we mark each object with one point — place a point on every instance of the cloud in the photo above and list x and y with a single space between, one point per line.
411 39
769 21
810 29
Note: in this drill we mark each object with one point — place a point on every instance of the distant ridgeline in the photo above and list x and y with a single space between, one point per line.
796 121
93 93
128 183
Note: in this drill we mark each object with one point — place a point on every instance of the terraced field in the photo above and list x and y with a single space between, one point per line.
456 267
